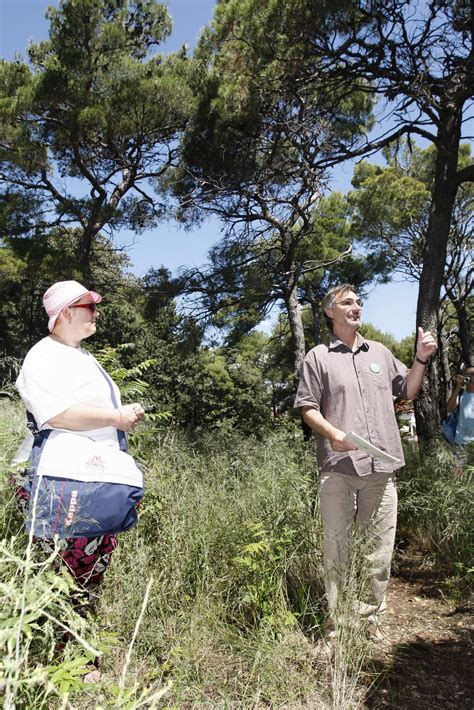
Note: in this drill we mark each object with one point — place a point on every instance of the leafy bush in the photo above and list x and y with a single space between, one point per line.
435 508
227 529
230 534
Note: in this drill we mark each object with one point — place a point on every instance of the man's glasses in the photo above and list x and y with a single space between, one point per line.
91 306
350 302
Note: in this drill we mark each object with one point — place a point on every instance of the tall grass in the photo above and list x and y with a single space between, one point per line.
352 650
435 507
226 528
229 531
436 521
35 612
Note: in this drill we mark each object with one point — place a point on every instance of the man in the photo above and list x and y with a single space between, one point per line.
348 384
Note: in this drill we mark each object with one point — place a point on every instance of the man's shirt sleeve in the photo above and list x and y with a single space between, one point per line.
310 386
399 373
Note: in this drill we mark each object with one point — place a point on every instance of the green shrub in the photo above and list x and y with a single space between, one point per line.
227 530
435 508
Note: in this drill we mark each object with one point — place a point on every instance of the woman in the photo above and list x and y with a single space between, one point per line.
79 422
462 399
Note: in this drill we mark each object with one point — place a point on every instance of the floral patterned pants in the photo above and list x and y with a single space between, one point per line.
86 558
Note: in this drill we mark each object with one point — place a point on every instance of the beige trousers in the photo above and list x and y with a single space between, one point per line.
370 501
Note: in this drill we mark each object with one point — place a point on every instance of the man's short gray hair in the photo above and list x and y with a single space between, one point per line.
331 297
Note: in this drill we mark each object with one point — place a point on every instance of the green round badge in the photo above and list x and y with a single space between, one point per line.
375 367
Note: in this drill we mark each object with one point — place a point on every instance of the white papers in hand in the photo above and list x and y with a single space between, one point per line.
369 448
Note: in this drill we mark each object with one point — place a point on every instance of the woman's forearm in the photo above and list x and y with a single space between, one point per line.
82 417
453 400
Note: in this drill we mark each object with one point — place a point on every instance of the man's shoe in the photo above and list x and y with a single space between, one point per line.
329 630
374 631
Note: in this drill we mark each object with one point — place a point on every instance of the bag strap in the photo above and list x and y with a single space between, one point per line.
44 433
121 436
39 439
31 423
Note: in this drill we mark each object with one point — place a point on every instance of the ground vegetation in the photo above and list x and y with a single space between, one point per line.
224 576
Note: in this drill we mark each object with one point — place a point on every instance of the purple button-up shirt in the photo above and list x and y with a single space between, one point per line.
354 391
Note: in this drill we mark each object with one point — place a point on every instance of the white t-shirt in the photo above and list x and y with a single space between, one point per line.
53 378
465 425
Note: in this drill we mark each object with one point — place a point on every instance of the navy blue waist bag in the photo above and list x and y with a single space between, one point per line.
69 508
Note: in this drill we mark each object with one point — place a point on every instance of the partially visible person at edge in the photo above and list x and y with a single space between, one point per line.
65 389
462 398
348 384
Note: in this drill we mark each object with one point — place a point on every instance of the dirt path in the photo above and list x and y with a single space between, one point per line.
426 656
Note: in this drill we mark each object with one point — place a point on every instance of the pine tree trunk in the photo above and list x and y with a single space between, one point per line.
297 331
83 253
427 406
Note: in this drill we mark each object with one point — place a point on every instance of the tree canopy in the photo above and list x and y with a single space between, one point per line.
89 124
101 132
291 89
391 213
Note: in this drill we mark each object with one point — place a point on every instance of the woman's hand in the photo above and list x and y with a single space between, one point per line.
129 416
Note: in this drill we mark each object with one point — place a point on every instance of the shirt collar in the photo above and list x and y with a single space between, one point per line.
336 344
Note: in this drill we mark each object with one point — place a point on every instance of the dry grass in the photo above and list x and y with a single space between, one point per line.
229 532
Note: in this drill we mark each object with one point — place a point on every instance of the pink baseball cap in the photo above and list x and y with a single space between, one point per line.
61 295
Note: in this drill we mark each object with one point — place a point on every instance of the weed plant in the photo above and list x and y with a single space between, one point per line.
35 613
229 533
38 670
435 513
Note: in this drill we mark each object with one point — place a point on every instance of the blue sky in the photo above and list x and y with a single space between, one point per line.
392 308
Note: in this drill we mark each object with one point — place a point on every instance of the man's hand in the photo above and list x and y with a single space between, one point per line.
315 420
339 443
425 344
